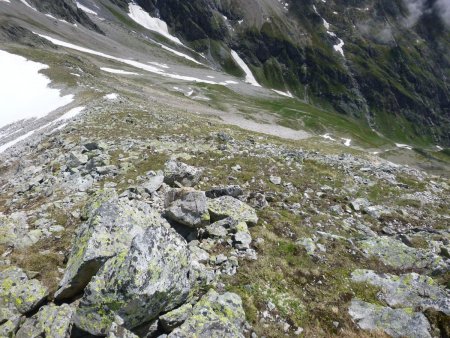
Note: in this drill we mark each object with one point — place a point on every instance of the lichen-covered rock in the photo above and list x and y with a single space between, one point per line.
118 331
175 318
14 231
153 277
214 316
408 291
188 207
10 319
182 173
398 255
51 321
17 292
227 206
108 232
394 322
96 201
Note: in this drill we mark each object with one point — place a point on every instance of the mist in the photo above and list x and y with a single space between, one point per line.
417 8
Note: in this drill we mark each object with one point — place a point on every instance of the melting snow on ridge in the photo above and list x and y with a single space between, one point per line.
5 0
403 146
287 94
85 9
347 142
117 71
28 95
180 54
143 66
70 114
154 24
328 137
249 78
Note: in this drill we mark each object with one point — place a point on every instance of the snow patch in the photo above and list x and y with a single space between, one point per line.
5 1
249 78
287 94
24 91
85 9
70 114
339 47
328 137
180 54
403 146
347 142
136 64
154 24
112 96
28 5
117 71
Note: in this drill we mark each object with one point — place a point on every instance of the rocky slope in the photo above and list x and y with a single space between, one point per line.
176 225
169 199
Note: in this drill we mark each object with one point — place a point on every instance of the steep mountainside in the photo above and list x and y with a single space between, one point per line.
375 59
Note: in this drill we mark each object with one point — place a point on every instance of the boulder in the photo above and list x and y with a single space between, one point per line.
108 232
118 331
227 206
407 291
76 159
14 231
359 204
214 316
153 182
396 323
231 190
18 293
400 256
154 276
184 174
51 321
188 207
175 318
242 240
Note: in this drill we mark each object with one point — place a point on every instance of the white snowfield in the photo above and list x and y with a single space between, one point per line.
154 24
403 146
136 64
24 92
249 78
117 71
5 0
85 9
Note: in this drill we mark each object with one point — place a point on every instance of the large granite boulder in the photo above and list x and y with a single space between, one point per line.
18 293
51 321
214 316
177 173
188 207
400 256
227 206
395 322
154 276
407 291
108 232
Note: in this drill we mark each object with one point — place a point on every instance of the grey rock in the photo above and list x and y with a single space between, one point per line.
51 321
199 254
227 206
175 318
182 173
154 276
154 181
275 180
14 231
407 291
216 230
108 232
77 159
242 240
398 255
359 204
231 190
118 331
188 207
258 200
396 323
18 293
214 316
